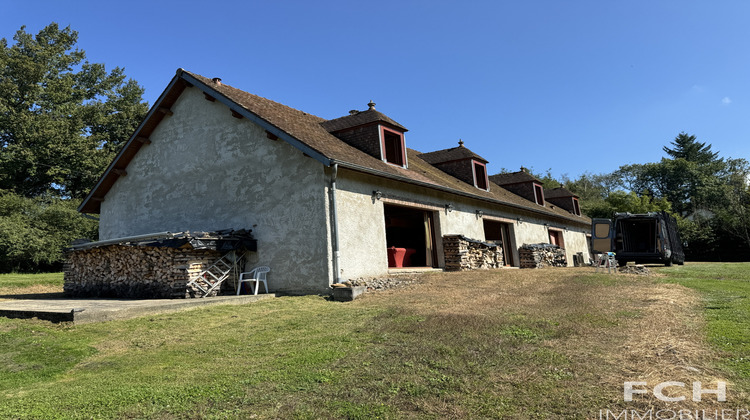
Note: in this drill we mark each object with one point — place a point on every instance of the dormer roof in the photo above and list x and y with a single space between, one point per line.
449 155
560 192
358 118
514 178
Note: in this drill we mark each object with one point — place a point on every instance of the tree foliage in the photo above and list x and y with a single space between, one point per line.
689 148
622 201
62 119
34 231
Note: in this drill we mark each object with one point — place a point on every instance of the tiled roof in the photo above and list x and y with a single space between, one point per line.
309 132
360 118
305 127
448 155
513 178
559 192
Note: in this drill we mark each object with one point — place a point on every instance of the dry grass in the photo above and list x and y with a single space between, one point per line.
38 291
21 286
548 343
598 330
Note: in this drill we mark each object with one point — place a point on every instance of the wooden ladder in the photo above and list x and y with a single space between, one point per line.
215 274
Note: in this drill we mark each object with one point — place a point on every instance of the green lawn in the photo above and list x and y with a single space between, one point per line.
27 280
551 343
725 289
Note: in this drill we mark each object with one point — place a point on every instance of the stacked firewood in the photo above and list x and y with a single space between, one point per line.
135 271
462 253
542 255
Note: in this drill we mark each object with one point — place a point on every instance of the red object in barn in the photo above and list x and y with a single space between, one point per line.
400 257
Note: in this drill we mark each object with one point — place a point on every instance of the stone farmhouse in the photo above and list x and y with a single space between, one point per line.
325 199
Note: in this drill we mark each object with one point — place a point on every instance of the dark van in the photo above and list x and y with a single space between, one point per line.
642 238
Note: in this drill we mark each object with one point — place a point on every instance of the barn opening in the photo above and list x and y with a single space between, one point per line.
499 233
556 237
410 237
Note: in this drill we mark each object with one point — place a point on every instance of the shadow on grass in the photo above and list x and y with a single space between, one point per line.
32 296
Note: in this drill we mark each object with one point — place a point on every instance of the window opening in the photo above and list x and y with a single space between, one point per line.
393 147
556 238
539 194
480 176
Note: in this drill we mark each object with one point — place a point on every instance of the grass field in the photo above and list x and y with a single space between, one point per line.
725 290
27 281
550 343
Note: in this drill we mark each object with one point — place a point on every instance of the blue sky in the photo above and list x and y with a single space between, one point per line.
574 86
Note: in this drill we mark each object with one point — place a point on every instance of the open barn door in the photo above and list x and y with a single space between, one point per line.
601 235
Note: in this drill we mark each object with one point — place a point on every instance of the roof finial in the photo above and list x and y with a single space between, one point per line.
460 143
371 105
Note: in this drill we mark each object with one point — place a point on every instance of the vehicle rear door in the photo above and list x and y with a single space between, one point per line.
601 235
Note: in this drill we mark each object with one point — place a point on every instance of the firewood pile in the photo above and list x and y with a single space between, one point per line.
154 269
135 271
542 255
462 253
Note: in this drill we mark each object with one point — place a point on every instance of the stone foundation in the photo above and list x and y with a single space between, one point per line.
462 253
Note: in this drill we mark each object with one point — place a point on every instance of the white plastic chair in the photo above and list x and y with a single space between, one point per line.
257 275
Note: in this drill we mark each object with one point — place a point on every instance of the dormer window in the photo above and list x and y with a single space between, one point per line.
461 163
564 198
371 132
539 194
393 149
480 175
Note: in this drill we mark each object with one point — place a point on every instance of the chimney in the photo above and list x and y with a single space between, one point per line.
353 112
217 80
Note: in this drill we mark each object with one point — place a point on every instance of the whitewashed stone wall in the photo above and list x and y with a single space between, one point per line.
206 170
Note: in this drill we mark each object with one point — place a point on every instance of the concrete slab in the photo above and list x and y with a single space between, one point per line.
347 294
80 311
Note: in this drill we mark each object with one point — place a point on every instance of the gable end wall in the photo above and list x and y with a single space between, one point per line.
206 170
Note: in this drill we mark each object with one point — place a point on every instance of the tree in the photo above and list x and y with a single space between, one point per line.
62 119
621 202
689 148
592 188
732 208
34 231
